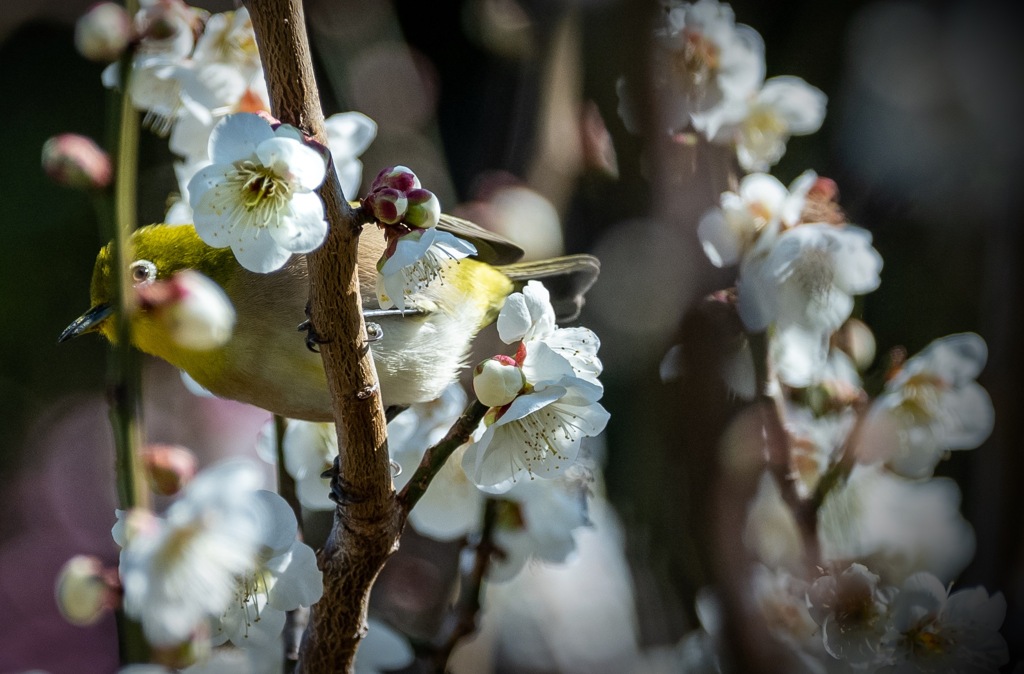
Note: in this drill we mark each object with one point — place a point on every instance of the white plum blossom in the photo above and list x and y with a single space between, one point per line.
159 60
180 571
537 520
770 531
751 218
257 196
851 606
932 630
781 599
453 506
931 406
705 63
538 433
420 257
760 127
896 526
528 316
309 449
807 284
816 442
282 577
348 136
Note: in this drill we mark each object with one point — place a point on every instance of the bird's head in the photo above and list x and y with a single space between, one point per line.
157 252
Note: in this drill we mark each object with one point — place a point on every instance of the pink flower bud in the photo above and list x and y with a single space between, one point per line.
85 590
75 161
195 311
102 34
424 209
168 467
388 205
497 381
400 178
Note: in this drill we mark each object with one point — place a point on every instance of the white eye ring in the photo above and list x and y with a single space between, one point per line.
142 272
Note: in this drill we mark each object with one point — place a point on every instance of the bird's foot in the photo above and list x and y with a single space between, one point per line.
313 339
341 492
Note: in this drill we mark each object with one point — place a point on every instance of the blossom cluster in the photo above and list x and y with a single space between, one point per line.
417 252
243 181
872 592
222 564
709 73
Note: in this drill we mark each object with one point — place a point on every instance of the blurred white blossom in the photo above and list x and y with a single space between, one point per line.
930 406
760 126
180 570
933 630
282 576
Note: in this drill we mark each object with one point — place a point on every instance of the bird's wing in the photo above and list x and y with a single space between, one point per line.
490 247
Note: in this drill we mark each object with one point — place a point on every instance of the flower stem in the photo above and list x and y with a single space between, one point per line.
124 372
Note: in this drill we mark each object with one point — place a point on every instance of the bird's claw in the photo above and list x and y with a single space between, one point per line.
341 491
312 337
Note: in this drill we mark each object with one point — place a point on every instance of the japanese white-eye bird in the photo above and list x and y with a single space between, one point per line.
266 362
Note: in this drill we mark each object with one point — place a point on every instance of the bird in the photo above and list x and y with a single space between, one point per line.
266 363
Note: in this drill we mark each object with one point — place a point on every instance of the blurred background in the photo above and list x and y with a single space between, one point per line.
507 110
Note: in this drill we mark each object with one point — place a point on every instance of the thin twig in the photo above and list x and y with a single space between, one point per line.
123 376
463 621
285 482
435 457
780 452
124 380
840 470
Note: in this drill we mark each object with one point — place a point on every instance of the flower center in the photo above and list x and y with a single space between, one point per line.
698 59
762 130
927 641
260 187
178 542
921 394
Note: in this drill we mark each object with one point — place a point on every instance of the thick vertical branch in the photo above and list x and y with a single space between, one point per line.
367 522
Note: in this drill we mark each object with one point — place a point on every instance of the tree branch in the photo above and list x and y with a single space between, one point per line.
367 522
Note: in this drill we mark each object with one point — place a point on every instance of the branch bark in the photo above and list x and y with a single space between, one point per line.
368 520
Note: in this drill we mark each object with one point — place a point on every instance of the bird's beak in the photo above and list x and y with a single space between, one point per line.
87 322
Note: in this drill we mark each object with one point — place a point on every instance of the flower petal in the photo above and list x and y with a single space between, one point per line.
303 166
259 252
349 134
303 228
237 136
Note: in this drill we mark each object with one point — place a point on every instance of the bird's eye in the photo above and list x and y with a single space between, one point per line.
142 272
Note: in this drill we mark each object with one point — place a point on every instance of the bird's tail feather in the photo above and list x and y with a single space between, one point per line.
567 278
